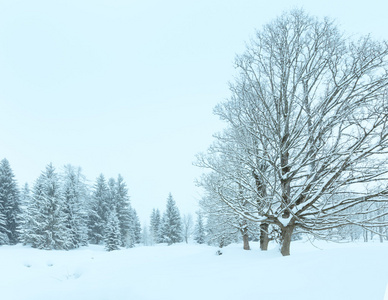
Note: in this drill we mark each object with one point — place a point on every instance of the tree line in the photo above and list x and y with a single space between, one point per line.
61 211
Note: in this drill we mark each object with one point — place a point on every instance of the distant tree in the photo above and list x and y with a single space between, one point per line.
171 225
98 211
123 208
199 231
47 218
187 228
9 202
75 194
112 238
136 227
146 238
221 229
155 222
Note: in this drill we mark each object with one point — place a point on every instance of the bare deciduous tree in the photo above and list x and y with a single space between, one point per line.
307 122
187 222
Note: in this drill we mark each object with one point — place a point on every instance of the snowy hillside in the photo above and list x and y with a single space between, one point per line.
332 271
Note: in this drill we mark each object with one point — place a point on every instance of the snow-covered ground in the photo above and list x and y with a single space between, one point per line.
331 271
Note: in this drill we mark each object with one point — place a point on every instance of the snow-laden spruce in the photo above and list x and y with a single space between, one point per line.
171 224
110 201
9 205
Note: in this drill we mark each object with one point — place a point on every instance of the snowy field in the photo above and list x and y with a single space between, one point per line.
324 271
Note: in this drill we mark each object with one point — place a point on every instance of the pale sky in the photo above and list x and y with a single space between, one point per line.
129 86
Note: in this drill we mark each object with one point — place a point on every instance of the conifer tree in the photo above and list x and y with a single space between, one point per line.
135 228
112 237
9 202
48 230
25 217
123 208
75 196
99 208
3 230
171 227
155 222
146 238
199 233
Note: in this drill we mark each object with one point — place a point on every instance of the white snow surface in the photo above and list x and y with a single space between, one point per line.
324 271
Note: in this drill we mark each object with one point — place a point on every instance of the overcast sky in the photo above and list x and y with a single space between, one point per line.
129 86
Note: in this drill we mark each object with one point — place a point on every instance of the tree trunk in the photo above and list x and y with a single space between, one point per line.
286 239
264 239
245 236
365 235
246 242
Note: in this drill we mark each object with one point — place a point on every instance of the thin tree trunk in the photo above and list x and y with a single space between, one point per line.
286 239
244 233
365 235
264 239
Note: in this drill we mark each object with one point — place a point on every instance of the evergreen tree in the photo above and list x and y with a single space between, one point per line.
3 230
199 232
25 220
9 202
123 208
146 238
47 218
75 196
98 211
171 227
134 234
112 237
155 222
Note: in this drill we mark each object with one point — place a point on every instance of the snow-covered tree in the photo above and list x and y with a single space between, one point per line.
98 211
171 224
199 230
187 227
25 216
308 118
123 208
155 221
135 225
46 210
146 238
3 230
112 238
75 196
219 231
9 203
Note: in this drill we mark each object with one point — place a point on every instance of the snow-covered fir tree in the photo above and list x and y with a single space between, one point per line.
146 238
112 236
199 230
136 225
46 210
123 208
75 194
155 226
98 210
9 202
171 225
25 218
3 230
134 233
